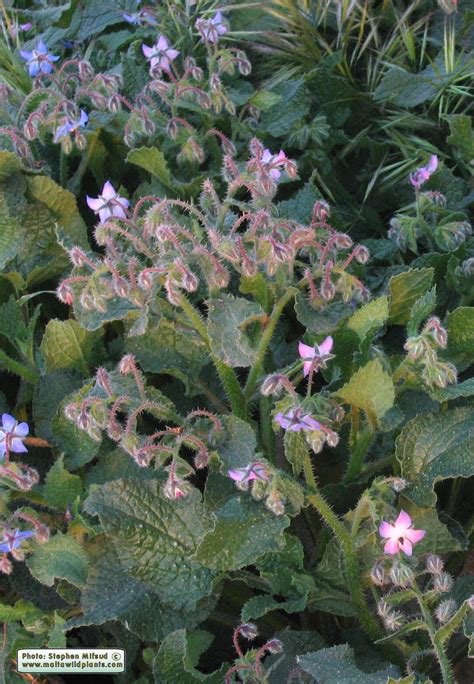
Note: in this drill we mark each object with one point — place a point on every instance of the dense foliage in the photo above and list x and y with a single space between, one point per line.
237 338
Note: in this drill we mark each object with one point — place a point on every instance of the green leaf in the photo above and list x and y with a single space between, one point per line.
61 488
22 610
463 389
337 665
460 325
156 538
66 345
152 160
265 99
462 135
60 557
177 658
433 447
320 322
168 348
370 317
421 309
119 596
228 325
279 121
244 531
258 606
405 289
236 446
57 637
12 323
10 163
370 389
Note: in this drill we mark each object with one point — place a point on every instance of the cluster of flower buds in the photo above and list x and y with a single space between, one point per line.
12 538
174 245
65 93
250 664
114 405
430 223
422 353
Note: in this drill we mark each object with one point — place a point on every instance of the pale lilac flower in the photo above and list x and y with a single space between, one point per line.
13 539
271 162
141 17
12 434
212 29
422 174
108 204
71 126
254 471
39 60
295 421
316 357
161 54
401 536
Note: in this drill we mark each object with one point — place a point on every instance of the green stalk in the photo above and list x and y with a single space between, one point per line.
443 660
354 579
266 430
267 335
227 376
18 368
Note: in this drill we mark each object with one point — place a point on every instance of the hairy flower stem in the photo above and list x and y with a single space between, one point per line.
17 368
267 335
443 660
354 579
227 376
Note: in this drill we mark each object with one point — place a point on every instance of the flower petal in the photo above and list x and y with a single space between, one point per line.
403 522
162 43
108 191
391 546
94 203
148 51
386 529
326 346
18 447
415 535
406 546
237 475
305 351
8 422
22 430
432 164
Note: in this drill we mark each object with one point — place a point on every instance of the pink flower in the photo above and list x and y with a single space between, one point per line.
212 29
422 174
108 204
317 356
295 421
161 54
271 162
254 471
401 536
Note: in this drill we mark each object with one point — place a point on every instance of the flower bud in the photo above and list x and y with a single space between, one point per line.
114 104
361 254
248 630
275 503
434 565
332 438
443 582
445 610
272 385
127 365
316 440
378 576
64 294
5 566
274 646
401 575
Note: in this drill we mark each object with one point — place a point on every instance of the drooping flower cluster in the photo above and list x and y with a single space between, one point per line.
431 223
116 403
422 356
